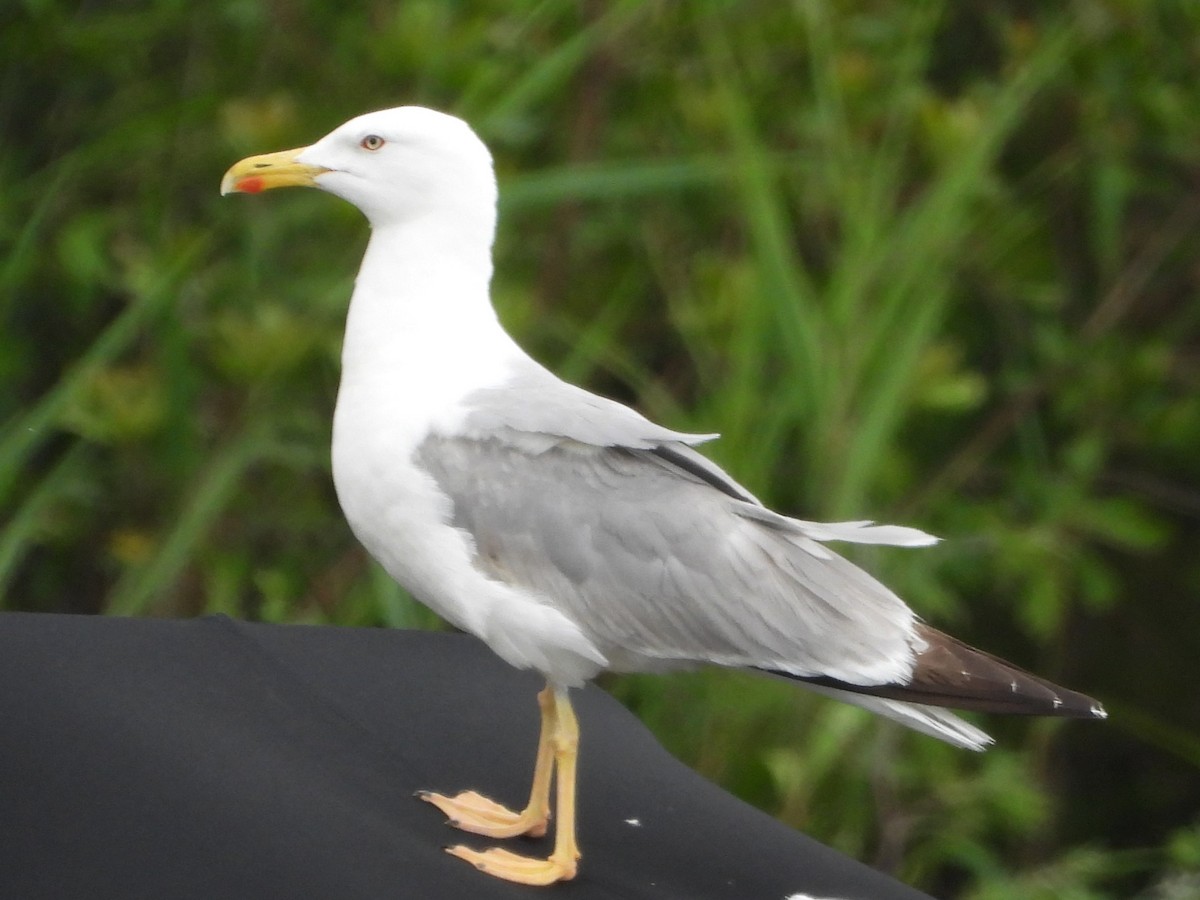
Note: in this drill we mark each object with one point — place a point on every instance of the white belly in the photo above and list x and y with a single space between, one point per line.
403 519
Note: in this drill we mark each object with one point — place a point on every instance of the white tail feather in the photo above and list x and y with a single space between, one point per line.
930 720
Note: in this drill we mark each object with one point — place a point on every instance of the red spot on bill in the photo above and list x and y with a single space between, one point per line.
250 185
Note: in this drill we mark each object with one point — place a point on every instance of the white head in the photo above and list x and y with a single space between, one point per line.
396 165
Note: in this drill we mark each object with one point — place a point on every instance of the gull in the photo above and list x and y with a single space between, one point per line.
567 531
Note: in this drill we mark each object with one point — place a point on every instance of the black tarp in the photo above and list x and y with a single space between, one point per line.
215 759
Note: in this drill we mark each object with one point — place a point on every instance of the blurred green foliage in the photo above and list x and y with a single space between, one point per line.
932 262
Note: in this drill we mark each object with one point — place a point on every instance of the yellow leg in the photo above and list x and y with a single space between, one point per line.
471 811
562 863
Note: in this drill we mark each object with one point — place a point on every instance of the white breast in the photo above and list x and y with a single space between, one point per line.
409 360
403 520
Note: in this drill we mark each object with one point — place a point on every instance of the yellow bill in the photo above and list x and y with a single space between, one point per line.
270 170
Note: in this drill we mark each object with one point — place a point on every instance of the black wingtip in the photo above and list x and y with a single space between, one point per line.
951 674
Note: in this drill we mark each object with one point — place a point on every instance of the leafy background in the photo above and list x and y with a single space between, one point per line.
930 262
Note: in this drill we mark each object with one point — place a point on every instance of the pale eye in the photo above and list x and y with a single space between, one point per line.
372 142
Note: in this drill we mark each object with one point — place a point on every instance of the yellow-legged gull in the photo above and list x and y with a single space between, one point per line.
567 531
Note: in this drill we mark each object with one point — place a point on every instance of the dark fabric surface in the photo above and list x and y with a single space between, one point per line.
220 759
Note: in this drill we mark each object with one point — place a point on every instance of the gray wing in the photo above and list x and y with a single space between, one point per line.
658 555
536 410
534 402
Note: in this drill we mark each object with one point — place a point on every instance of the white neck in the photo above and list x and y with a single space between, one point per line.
421 332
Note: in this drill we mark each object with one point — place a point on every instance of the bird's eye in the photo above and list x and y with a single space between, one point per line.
371 142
